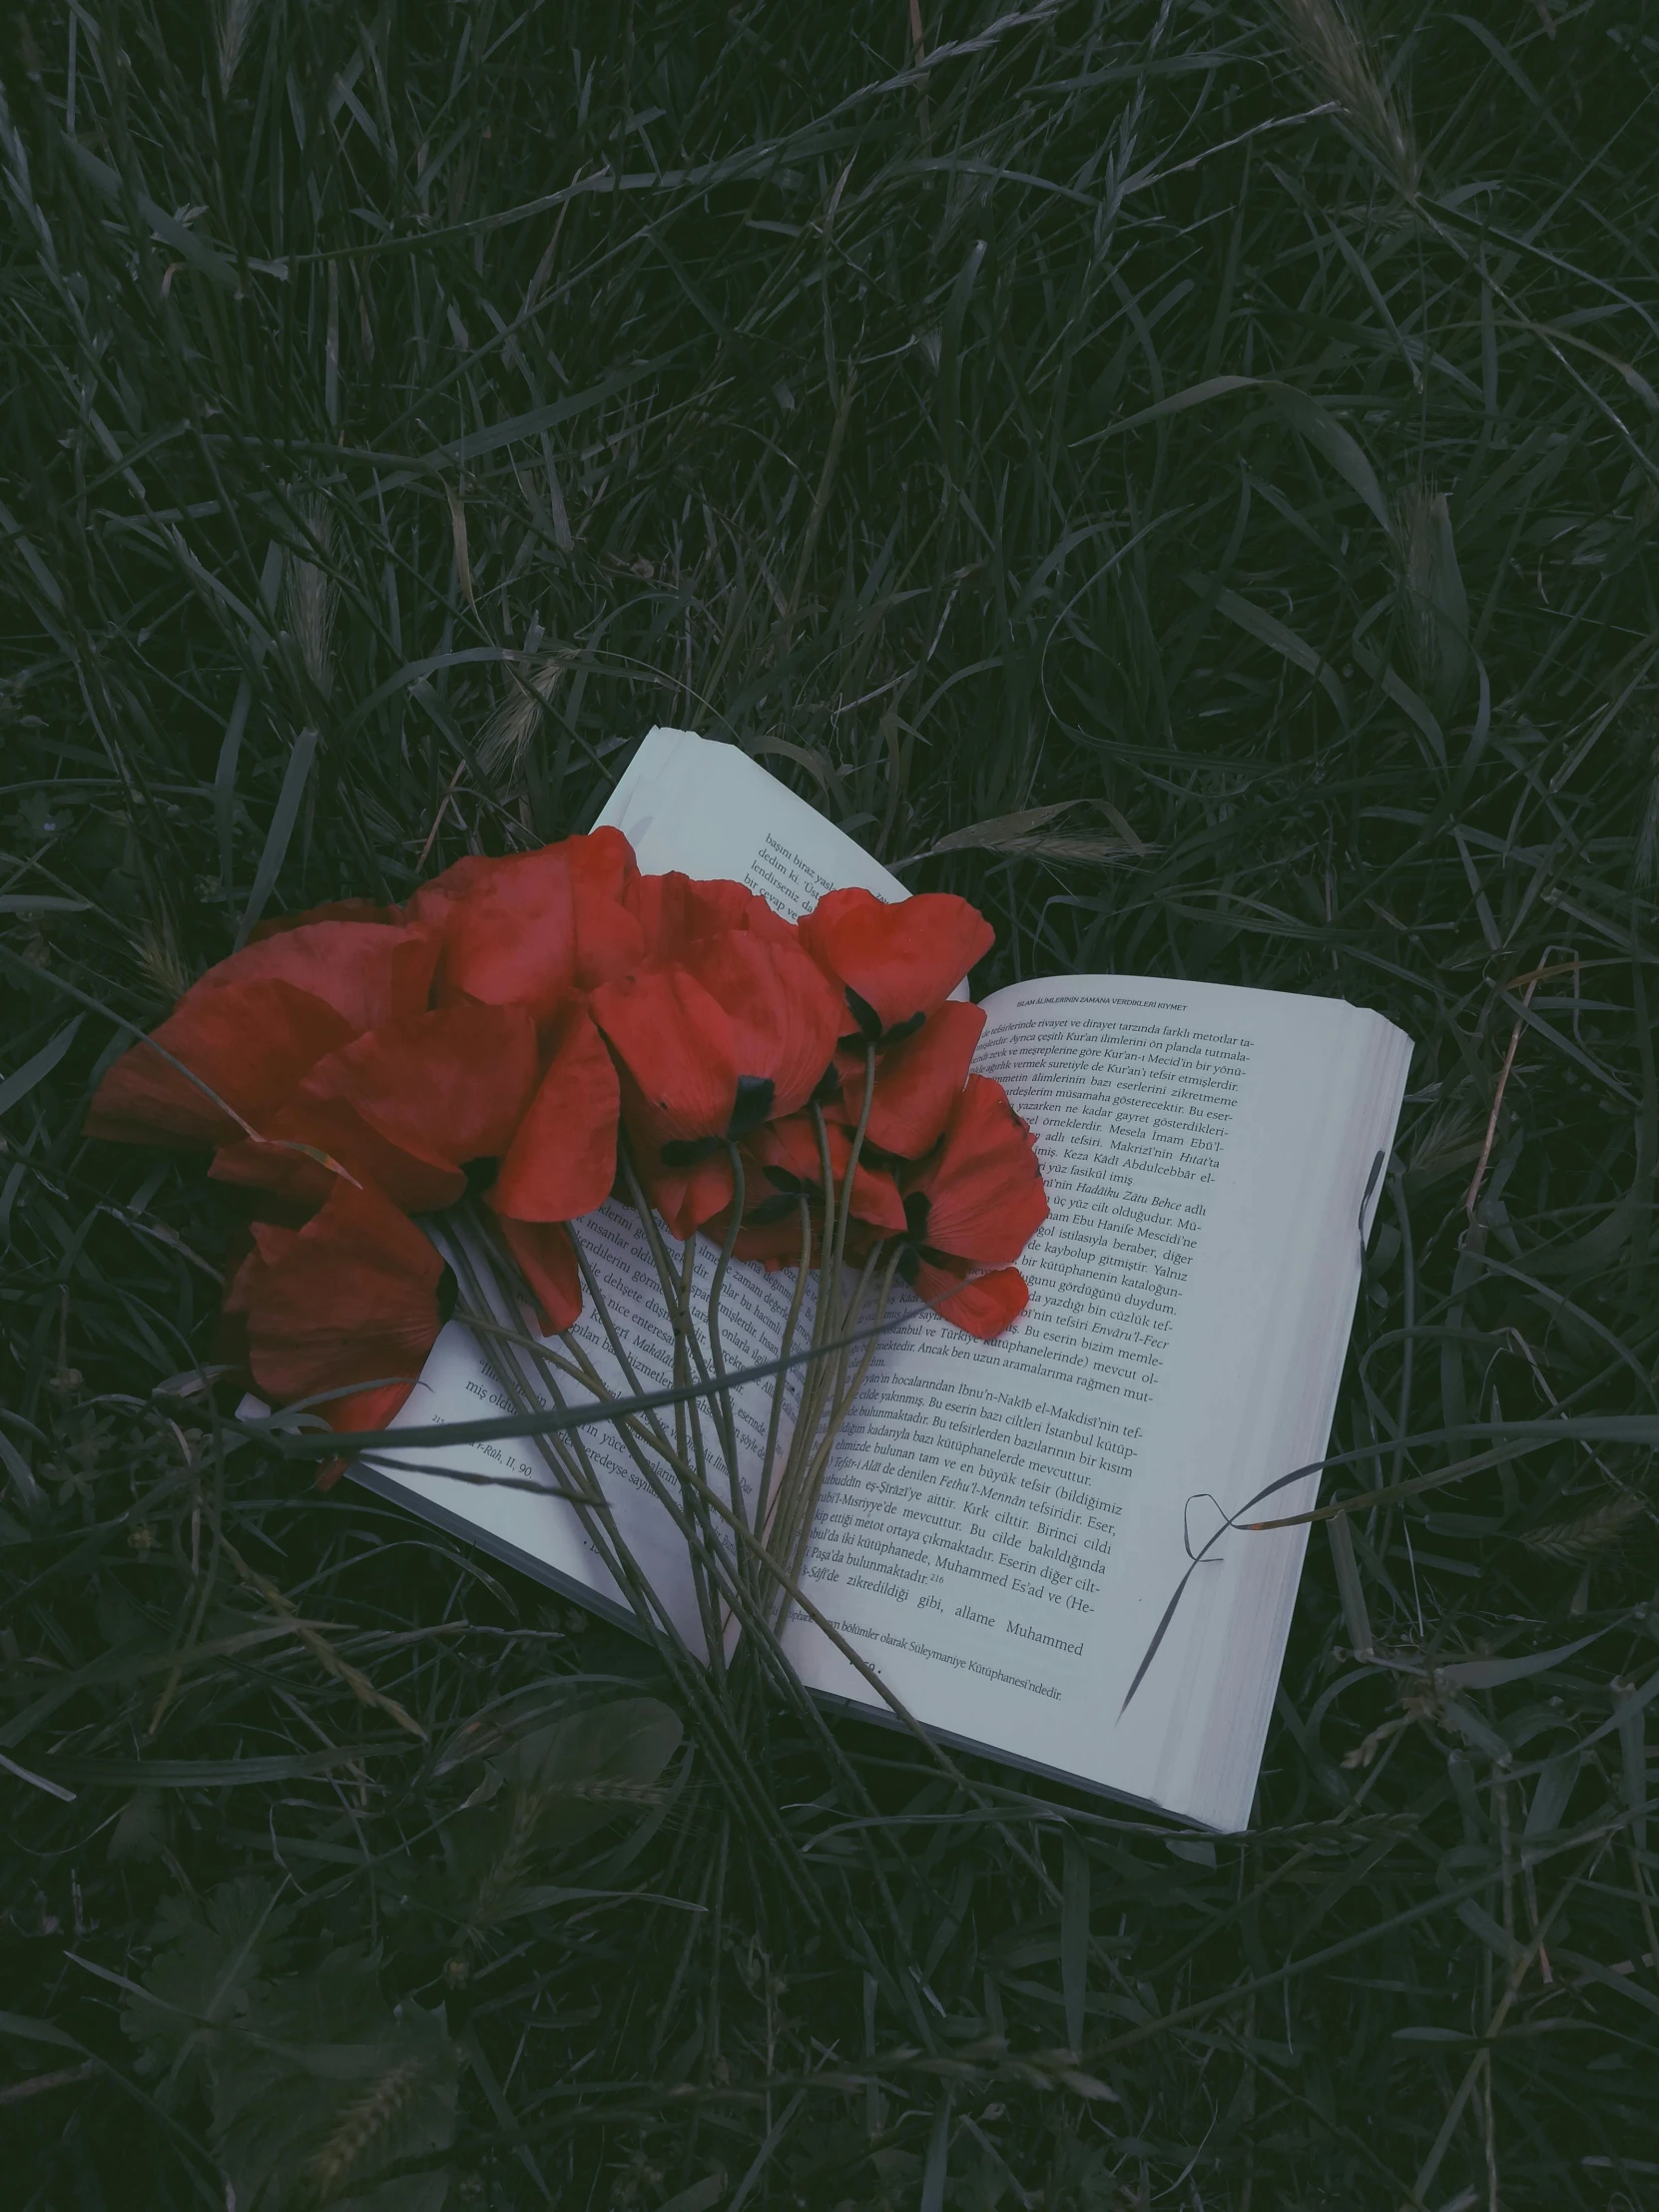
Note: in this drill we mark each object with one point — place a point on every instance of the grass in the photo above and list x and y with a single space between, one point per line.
1237 426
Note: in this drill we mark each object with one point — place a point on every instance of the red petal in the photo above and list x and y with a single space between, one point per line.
303 1146
688 1197
675 910
336 909
678 1046
528 929
919 1082
793 1146
984 1187
350 1298
402 1108
430 904
368 973
366 1410
562 1162
903 960
774 1242
250 1043
785 1015
446 1087
609 941
544 1251
983 1307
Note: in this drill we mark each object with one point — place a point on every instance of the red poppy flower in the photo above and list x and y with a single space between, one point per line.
531 929
785 1158
897 964
686 1197
983 1306
354 1299
784 1017
405 1108
561 1163
249 1044
974 1202
784 1163
980 1196
369 972
710 1048
547 1258
917 1082
678 1051
675 910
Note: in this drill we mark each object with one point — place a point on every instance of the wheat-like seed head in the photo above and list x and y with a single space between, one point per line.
235 19
1574 1541
515 722
162 962
1331 52
362 2125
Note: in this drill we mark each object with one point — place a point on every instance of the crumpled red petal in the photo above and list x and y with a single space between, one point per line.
447 1086
532 927
678 1045
369 972
547 1257
349 1300
784 1011
901 961
561 1163
251 1043
983 1306
304 1145
404 1107
675 911
983 1186
917 1082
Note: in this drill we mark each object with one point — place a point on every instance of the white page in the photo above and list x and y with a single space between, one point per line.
1003 1524
708 811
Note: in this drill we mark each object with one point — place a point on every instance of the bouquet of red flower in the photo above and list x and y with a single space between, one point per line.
533 1035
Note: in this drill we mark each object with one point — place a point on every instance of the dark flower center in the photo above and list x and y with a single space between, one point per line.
781 1206
754 1106
869 1022
754 1097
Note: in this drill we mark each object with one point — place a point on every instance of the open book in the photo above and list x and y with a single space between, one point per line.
1004 1526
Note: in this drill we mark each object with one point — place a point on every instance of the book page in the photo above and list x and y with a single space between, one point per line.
709 811
1003 1524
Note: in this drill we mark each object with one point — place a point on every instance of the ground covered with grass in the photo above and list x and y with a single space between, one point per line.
1182 475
